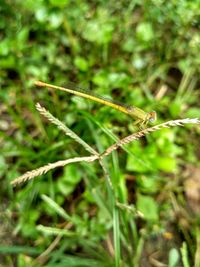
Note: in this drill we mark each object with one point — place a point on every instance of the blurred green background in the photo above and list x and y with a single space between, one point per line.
143 53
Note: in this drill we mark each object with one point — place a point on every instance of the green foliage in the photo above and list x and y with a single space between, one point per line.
148 207
173 257
127 51
69 180
144 32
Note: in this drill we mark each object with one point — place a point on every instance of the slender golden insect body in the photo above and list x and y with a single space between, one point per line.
135 112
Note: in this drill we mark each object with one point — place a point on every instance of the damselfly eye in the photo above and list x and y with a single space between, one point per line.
151 119
152 116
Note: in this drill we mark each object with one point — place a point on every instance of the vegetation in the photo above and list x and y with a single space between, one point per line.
142 207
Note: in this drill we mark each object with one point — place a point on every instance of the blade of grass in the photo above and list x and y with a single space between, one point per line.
184 253
54 231
116 233
19 249
138 252
197 253
60 211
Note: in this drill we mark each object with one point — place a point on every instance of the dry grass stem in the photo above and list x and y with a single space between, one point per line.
144 132
105 172
42 170
64 128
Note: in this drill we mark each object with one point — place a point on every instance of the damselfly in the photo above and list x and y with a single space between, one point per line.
138 114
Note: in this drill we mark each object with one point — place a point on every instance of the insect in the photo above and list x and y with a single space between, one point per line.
141 117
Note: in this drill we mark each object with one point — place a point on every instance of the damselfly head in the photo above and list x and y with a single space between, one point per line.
152 116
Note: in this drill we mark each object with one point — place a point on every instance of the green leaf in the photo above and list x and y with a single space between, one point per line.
128 45
22 37
118 79
8 62
5 46
139 62
144 32
141 163
175 108
3 166
41 14
97 31
53 205
137 165
193 113
148 183
148 207
100 78
167 164
60 3
81 63
173 258
67 183
55 19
